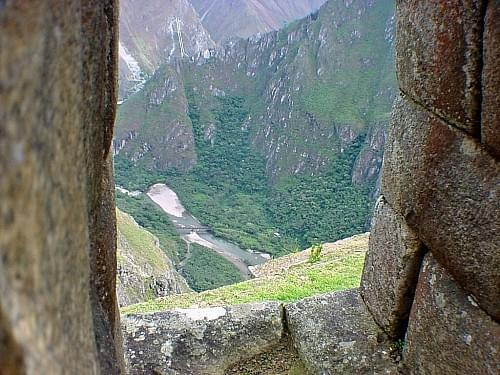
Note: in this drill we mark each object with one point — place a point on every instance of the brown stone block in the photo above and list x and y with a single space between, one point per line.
391 269
490 127
438 57
448 333
447 187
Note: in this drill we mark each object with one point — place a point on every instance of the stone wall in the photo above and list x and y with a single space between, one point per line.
58 311
431 275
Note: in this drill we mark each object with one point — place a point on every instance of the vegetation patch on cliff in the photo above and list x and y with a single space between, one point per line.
286 279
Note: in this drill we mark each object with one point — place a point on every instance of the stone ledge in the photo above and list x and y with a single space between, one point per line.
447 187
200 341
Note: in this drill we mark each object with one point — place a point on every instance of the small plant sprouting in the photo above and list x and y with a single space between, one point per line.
315 254
400 345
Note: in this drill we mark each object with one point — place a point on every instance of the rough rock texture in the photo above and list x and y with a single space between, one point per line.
438 57
369 161
335 334
279 360
200 341
441 179
391 269
447 187
58 311
448 332
151 32
490 116
144 271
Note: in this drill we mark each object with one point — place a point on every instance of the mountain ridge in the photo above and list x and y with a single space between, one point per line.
277 133
153 32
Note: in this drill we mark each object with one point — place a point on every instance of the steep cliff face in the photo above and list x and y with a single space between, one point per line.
153 126
312 89
144 271
153 32
292 121
243 18
58 310
156 32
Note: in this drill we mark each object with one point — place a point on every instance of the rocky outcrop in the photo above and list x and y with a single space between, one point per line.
369 161
144 132
58 309
153 32
200 341
144 270
440 186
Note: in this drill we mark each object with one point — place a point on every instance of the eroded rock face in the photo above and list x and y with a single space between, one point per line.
448 331
391 269
199 341
58 311
335 334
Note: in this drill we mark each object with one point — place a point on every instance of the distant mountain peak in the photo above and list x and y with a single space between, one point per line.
243 18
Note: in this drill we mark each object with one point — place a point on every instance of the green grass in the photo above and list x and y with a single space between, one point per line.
336 270
139 239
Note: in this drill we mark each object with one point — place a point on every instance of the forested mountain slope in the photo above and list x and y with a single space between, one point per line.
275 140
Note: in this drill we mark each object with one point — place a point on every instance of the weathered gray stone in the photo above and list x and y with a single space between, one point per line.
335 334
447 187
490 126
58 308
199 341
438 57
391 269
448 333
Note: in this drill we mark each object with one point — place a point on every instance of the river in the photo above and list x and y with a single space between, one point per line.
193 231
